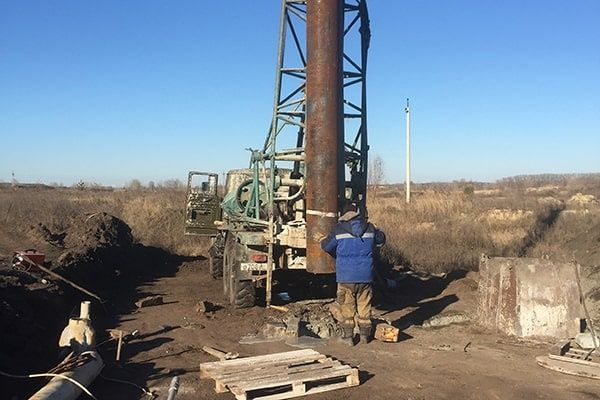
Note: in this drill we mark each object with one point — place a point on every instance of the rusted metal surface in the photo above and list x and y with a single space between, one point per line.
324 125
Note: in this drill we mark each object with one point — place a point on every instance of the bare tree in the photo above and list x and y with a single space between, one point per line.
135 185
376 172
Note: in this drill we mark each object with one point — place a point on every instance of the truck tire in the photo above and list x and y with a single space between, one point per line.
239 293
215 266
244 294
215 256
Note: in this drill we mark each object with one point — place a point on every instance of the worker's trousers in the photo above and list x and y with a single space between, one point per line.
355 301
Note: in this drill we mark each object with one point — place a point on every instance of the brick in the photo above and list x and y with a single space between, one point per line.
386 333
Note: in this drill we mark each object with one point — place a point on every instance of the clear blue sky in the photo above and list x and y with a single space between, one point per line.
112 90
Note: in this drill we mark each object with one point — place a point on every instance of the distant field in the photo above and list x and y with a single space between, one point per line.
446 227
449 228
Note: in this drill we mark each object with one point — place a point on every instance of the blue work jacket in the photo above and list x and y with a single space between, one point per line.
352 242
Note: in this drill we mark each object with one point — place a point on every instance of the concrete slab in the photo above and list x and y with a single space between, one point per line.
528 297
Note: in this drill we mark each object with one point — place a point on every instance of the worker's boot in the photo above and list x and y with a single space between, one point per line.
365 334
347 337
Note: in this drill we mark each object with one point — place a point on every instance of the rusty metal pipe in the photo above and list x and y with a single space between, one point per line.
324 125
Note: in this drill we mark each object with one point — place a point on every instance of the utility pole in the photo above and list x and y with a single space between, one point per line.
407 183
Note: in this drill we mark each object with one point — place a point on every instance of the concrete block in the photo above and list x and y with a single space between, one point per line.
528 297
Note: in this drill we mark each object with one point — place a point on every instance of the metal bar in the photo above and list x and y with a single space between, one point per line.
292 113
352 74
291 103
294 74
280 52
290 121
354 64
351 24
296 41
351 104
354 82
295 92
293 70
298 13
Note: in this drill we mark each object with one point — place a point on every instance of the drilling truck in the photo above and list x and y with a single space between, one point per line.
272 215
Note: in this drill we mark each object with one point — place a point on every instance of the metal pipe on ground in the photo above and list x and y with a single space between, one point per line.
60 388
324 126
174 388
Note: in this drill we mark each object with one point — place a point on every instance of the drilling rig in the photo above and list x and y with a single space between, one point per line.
273 214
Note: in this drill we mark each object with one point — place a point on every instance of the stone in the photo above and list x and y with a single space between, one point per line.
446 318
528 297
292 325
204 306
149 301
386 333
274 329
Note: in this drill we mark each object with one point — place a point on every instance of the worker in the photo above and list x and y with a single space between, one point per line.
352 242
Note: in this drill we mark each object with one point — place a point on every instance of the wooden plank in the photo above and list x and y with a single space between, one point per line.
259 359
279 372
253 362
569 367
335 372
221 371
575 361
561 348
351 380
272 371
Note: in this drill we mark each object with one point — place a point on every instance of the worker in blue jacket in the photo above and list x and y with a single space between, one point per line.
352 243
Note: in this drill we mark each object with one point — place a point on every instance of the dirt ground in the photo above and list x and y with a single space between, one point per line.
458 361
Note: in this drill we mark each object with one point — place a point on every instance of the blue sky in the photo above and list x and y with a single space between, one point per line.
108 91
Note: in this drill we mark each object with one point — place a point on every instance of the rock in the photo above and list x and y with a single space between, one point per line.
149 301
274 329
292 325
386 333
204 306
446 318
441 347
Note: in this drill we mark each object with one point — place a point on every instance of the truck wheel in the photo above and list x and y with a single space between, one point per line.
228 257
244 294
215 256
215 266
239 293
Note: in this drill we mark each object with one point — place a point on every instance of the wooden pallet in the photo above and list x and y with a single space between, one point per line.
572 361
280 375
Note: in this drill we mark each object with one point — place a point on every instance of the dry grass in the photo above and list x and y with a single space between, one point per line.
443 231
155 217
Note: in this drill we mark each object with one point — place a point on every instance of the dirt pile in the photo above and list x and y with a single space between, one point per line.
96 248
34 306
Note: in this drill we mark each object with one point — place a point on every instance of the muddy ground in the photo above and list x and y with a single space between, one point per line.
456 361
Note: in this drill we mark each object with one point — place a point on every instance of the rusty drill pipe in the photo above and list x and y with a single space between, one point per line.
324 126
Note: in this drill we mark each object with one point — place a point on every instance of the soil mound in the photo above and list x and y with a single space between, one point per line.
96 246
35 306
